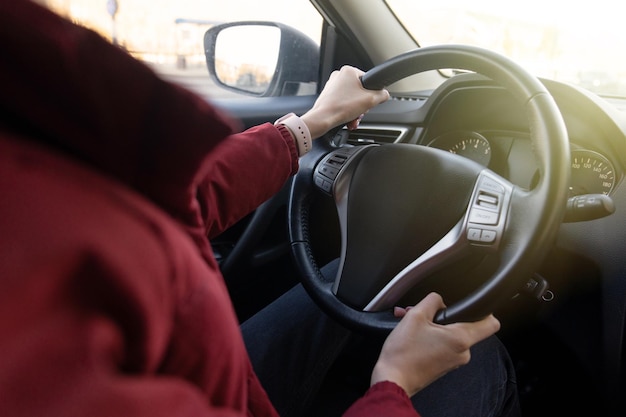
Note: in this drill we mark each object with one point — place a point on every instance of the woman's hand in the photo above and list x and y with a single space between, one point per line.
418 351
342 101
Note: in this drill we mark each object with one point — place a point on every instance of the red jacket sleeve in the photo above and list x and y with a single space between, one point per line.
383 399
242 172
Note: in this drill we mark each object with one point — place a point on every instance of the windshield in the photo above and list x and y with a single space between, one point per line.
574 42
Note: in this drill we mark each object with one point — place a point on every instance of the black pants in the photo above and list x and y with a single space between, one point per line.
294 348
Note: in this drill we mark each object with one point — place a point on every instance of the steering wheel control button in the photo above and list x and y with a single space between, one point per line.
488 236
323 183
480 216
489 185
473 234
487 200
481 235
329 171
329 168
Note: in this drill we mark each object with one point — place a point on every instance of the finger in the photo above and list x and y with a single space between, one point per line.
384 95
353 124
479 330
430 304
399 312
487 326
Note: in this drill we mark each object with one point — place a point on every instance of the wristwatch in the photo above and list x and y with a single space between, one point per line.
299 131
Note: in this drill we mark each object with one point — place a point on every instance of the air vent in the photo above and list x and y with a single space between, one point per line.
380 135
408 98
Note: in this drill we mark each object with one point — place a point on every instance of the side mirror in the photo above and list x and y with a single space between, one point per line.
264 59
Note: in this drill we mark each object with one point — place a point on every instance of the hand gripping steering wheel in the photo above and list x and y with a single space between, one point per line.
414 219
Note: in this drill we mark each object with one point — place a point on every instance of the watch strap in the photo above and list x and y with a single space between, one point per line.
299 131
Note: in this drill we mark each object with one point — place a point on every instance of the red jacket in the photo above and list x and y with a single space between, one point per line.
111 302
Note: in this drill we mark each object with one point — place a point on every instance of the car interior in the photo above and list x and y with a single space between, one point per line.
499 188
561 302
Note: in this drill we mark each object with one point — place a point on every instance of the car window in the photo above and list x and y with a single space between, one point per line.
169 35
574 42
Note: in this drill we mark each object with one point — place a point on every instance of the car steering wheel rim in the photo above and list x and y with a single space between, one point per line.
526 220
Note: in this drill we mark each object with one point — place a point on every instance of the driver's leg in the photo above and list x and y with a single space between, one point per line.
486 386
292 345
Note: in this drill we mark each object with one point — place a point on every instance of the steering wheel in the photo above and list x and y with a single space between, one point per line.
415 219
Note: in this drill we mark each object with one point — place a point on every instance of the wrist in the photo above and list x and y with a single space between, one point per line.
318 125
383 374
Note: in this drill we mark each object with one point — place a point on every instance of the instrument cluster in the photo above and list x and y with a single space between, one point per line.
591 171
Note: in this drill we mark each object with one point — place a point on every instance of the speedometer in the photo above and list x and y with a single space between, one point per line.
592 173
471 145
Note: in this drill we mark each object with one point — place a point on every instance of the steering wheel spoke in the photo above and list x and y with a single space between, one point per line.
480 230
